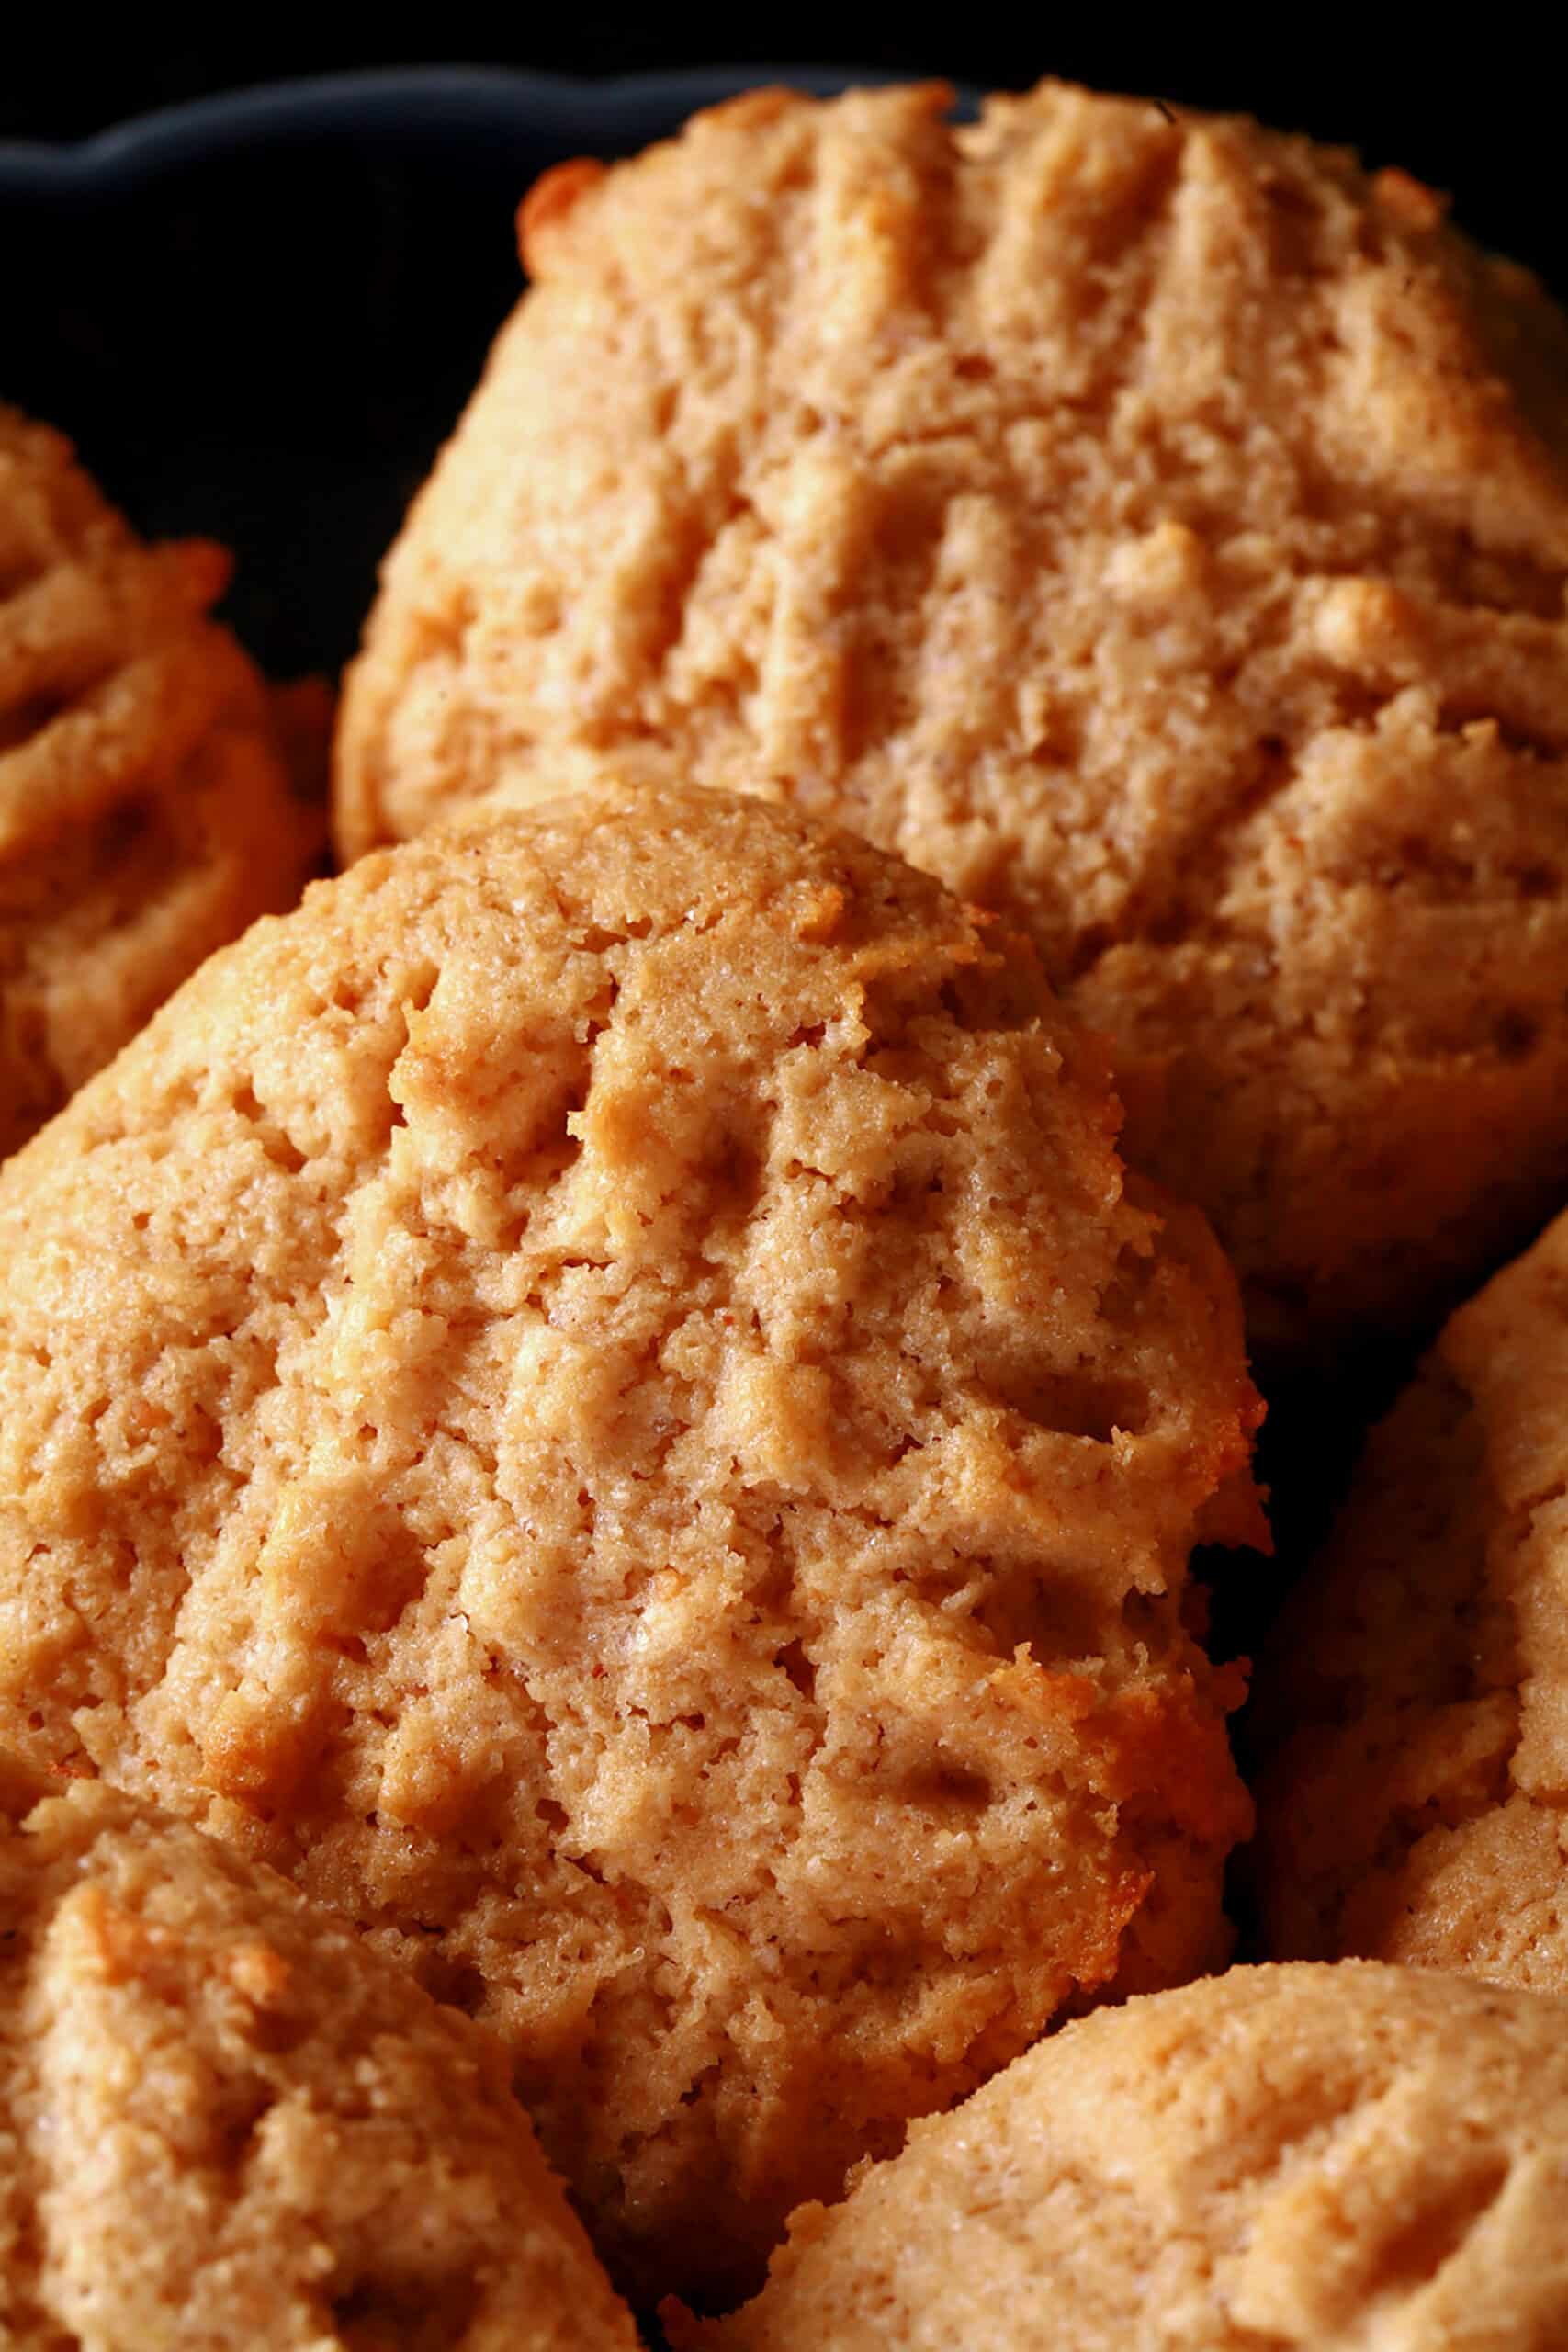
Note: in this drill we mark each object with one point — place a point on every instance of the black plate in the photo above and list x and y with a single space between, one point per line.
258 316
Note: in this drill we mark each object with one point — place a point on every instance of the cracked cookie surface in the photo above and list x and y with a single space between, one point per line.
1280 2157
226 2125
1149 524
1412 1795
598 1395
147 808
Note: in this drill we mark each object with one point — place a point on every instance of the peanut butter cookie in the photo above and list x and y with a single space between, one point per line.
597 1395
227 2126
147 807
1149 524
1306 2159
1414 1706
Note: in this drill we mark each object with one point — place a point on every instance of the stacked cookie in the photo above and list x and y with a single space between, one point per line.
625 1395
153 796
227 2120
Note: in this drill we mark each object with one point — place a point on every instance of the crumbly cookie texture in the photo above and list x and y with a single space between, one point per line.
1315 2157
226 2124
597 1396
1413 1800
147 800
1147 523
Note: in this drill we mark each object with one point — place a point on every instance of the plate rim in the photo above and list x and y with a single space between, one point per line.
404 101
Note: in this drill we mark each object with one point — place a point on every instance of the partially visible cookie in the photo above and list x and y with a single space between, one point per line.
226 2125
598 1394
1321 2158
147 811
1414 1709
1152 524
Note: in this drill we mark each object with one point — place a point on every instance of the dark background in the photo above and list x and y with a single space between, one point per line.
1485 116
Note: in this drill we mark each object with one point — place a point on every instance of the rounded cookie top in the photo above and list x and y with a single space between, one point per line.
1412 1704
1281 2156
597 1395
225 2122
1150 524
147 811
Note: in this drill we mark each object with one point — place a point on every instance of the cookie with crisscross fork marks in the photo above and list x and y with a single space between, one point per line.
597 1394
1154 526
147 808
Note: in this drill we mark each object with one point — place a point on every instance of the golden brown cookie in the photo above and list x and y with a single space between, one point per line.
1415 1711
227 2124
147 808
1150 524
1322 2158
596 1395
